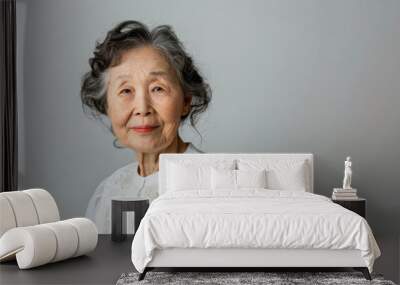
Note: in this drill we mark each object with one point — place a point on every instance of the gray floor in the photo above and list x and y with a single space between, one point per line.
102 266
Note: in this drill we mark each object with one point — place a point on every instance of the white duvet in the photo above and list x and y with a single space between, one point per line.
250 218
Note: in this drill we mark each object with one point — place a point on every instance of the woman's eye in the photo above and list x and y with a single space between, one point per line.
157 89
125 91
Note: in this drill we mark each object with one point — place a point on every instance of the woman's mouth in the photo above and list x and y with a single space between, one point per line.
144 129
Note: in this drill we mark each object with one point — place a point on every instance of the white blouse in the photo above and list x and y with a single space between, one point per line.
124 182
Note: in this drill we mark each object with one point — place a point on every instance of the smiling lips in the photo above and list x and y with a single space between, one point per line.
144 128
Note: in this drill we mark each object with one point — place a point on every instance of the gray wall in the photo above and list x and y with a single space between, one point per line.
288 76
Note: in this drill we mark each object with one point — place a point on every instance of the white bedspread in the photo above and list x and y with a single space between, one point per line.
251 218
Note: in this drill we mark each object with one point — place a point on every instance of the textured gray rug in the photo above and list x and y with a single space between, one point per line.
229 278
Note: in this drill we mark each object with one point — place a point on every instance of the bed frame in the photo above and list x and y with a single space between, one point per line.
244 259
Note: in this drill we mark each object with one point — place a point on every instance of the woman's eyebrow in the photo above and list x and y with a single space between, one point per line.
121 79
120 83
122 76
160 73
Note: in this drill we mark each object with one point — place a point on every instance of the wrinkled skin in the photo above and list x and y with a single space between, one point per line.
143 89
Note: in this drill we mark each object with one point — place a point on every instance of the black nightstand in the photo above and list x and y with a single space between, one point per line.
126 204
357 206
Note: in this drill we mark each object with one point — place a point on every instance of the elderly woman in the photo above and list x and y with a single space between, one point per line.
146 84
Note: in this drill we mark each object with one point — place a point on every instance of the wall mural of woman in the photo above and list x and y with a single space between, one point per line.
147 85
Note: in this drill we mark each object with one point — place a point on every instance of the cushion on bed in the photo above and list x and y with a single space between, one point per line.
251 178
223 178
237 179
193 174
282 174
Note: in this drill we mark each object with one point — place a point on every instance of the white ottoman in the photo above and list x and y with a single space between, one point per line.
31 233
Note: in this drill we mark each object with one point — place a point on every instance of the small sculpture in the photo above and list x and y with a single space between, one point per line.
347 174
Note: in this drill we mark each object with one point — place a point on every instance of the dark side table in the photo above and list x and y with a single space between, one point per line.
119 205
358 205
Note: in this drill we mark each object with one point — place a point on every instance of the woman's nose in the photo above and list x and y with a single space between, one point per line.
142 106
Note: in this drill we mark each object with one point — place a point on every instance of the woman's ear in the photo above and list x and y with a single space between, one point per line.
187 100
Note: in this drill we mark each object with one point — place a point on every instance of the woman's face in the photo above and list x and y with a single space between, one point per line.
145 100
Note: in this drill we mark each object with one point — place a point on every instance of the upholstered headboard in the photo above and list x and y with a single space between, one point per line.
165 158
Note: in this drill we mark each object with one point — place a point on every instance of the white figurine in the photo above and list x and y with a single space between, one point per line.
347 174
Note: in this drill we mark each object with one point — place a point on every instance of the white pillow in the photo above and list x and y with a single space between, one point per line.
183 177
282 174
251 178
223 179
187 175
237 179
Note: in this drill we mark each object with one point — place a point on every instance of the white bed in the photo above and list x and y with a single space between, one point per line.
248 227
